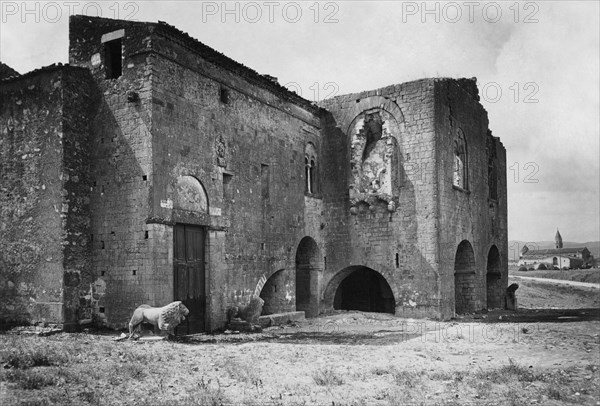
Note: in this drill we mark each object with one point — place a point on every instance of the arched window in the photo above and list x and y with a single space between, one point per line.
492 167
493 181
312 175
308 175
459 178
310 169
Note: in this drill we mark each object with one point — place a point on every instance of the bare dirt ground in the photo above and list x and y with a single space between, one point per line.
539 356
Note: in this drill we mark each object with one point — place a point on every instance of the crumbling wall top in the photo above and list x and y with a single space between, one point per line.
6 72
171 33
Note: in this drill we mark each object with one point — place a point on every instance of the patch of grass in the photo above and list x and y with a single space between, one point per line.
69 376
89 396
483 388
379 371
514 397
29 379
406 396
23 355
211 397
441 376
507 373
407 378
243 372
555 392
35 402
135 370
327 377
459 376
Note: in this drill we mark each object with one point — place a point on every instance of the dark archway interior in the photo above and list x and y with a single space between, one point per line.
494 280
308 261
364 290
464 279
275 293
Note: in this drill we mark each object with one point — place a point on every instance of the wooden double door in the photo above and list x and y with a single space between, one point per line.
190 275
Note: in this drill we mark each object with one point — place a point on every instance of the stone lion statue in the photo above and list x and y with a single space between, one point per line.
166 318
249 313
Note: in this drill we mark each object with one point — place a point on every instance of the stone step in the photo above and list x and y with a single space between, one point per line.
280 318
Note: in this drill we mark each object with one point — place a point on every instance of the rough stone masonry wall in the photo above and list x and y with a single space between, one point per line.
264 131
400 245
468 214
80 100
44 210
130 266
248 153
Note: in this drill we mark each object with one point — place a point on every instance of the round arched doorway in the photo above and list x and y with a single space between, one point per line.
308 264
277 293
361 288
464 279
494 279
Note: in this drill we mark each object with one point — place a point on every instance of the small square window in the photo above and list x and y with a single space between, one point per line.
224 95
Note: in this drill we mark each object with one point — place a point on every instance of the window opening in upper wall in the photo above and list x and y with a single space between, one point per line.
113 58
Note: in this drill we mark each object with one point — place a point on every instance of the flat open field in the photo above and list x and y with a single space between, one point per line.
545 357
580 275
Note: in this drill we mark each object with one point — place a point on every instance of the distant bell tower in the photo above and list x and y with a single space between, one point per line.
558 239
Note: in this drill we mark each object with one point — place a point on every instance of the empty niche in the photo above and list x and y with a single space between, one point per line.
227 186
460 170
224 95
374 171
264 181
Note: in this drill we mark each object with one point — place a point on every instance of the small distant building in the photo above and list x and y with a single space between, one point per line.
570 258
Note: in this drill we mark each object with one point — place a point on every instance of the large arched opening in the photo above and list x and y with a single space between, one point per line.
278 293
360 288
464 279
308 264
494 279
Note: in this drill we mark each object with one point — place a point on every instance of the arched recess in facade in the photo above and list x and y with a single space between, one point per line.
278 293
465 282
190 245
190 195
309 262
375 148
493 279
359 288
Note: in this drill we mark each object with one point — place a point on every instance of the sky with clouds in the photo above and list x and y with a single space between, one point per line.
537 66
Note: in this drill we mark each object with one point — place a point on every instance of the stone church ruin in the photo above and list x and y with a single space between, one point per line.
153 168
